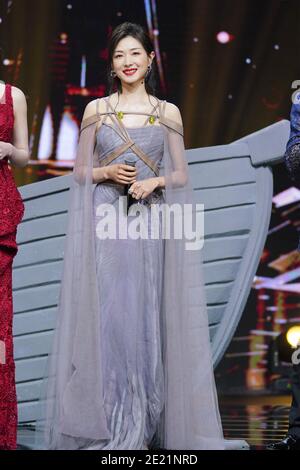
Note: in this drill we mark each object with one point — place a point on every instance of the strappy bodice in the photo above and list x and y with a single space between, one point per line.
153 114
161 117
145 148
123 141
116 142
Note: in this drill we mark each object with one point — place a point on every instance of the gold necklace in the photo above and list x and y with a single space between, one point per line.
120 114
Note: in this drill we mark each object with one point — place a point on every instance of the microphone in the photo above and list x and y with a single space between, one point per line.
130 199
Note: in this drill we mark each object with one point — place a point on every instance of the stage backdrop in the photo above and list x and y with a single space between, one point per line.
229 65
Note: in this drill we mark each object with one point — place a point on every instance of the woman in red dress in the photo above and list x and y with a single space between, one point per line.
13 150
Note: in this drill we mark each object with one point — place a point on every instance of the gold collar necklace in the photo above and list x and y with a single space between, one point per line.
120 114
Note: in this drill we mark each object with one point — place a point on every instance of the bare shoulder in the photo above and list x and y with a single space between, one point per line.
172 112
18 95
91 108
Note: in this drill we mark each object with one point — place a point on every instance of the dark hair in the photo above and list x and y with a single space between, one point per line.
139 33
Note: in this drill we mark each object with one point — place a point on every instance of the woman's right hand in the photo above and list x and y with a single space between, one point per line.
121 173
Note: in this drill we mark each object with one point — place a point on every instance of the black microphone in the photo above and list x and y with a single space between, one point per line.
130 199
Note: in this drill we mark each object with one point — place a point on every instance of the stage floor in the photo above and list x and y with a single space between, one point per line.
258 419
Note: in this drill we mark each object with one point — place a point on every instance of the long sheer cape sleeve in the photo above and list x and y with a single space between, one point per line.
191 415
71 409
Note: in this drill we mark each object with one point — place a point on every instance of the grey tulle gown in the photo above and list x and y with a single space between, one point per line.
129 276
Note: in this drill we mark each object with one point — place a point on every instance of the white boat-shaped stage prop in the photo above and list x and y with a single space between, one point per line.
235 184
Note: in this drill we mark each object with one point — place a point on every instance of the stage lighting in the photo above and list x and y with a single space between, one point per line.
286 342
223 37
279 358
283 348
293 336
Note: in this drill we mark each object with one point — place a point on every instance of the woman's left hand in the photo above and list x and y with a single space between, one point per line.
141 189
5 150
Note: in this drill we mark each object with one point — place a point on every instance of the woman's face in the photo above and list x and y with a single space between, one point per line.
130 60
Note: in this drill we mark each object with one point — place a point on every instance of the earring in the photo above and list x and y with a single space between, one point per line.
113 74
148 71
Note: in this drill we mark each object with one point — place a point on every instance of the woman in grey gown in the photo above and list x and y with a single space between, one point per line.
131 365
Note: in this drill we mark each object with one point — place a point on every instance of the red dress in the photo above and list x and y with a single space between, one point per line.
11 213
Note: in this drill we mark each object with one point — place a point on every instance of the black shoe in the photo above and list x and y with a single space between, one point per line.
288 443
